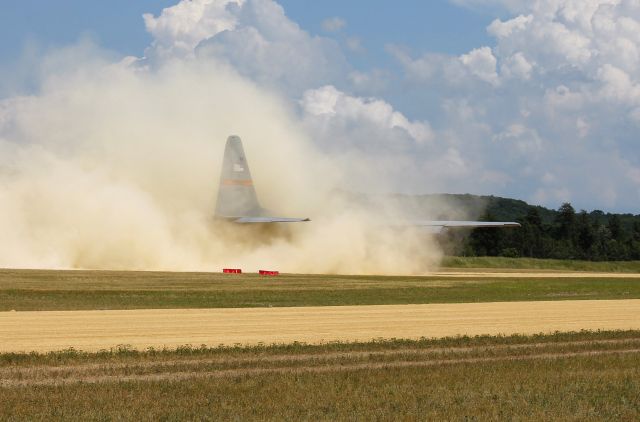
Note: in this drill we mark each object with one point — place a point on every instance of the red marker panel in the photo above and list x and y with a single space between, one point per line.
232 271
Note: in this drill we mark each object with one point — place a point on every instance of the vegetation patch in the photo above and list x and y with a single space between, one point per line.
573 376
492 262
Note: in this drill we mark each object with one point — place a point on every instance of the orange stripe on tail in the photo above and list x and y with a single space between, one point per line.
237 182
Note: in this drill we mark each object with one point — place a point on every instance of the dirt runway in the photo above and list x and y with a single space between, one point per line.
95 330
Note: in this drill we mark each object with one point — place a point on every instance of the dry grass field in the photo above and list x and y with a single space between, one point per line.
579 376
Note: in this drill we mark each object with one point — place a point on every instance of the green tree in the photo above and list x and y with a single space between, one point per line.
615 227
531 235
635 231
585 235
565 222
487 241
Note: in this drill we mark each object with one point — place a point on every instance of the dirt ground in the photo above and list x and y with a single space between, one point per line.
95 330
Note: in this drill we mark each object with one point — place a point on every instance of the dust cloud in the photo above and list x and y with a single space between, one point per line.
116 166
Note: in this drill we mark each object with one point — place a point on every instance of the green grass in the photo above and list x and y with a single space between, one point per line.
27 290
540 264
568 376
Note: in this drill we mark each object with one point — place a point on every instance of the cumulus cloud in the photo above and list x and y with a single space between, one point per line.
253 36
481 63
564 70
330 102
516 66
377 143
180 28
500 29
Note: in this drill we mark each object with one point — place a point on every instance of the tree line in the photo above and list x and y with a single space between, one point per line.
568 234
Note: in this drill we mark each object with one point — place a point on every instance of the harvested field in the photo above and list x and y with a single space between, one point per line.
181 369
574 376
95 330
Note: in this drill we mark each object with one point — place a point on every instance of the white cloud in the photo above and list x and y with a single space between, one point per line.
558 93
253 36
506 29
374 141
481 63
516 66
334 24
179 28
617 86
329 103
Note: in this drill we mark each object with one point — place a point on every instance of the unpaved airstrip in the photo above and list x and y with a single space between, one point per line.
95 330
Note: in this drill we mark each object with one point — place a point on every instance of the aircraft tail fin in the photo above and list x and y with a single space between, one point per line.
236 195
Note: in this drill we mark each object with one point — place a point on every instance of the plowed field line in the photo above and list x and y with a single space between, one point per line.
185 375
262 359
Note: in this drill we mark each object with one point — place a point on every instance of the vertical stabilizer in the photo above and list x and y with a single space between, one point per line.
236 196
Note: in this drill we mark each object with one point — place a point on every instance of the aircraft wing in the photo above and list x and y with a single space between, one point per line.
445 224
249 220
439 226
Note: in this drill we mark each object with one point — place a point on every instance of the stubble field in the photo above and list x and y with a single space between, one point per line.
579 376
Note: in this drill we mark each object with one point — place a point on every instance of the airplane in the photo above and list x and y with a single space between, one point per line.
238 203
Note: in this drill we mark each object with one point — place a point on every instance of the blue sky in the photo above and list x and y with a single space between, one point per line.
117 25
114 24
532 100
437 26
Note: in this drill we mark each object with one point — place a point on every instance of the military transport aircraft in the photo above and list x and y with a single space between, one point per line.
238 203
